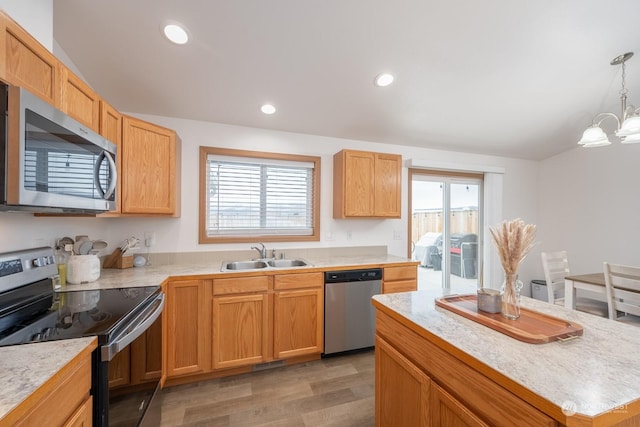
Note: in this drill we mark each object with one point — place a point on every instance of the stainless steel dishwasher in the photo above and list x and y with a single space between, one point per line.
349 317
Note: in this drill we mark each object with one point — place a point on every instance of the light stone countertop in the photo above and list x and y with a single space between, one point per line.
155 275
597 372
25 368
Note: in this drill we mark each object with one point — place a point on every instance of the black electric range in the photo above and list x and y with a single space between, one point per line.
31 311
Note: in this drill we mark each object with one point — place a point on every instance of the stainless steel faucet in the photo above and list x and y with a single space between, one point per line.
262 251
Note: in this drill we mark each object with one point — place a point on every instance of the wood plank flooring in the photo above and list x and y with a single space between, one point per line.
336 391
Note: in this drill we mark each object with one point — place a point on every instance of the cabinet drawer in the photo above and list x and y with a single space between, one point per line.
400 273
240 285
298 280
399 286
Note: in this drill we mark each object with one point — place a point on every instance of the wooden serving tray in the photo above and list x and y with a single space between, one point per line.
532 326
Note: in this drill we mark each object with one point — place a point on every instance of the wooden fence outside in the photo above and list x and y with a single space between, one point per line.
461 221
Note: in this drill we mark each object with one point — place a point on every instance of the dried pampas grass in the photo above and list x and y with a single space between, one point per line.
514 240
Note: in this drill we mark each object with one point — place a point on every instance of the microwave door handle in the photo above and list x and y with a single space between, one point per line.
114 176
96 175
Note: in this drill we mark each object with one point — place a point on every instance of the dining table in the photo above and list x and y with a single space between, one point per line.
593 282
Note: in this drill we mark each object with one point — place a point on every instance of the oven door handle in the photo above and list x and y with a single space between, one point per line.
140 324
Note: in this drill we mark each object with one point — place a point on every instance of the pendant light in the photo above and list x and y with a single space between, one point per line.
628 124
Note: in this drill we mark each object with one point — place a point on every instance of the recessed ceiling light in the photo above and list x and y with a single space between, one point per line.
175 33
268 109
383 79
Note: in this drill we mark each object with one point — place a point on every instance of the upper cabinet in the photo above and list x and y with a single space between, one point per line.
25 62
150 169
79 101
366 184
148 156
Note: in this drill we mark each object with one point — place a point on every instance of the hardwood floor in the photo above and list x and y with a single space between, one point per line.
336 391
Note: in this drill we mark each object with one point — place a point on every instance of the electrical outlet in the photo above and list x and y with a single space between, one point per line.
397 235
149 238
328 235
349 235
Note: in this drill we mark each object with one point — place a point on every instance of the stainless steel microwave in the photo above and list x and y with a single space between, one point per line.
49 161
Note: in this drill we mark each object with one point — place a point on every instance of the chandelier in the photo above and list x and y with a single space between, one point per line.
628 124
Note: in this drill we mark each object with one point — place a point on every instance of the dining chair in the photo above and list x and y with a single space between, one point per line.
623 292
556 268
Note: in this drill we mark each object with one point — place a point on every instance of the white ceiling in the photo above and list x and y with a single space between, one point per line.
506 77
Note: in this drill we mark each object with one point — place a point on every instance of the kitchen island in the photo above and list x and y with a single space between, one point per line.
434 367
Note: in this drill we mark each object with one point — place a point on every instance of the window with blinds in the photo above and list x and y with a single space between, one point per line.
272 196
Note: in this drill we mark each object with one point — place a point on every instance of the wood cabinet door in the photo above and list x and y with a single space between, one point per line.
25 62
366 184
83 417
359 183
402 390
388 186
78 100
298 322
146 365
187 327
446 411
120 368
240 330
149 168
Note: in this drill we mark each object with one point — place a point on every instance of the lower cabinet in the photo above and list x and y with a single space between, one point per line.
83 417
138 362
402 390
64 400
419 383
298 315
405 396
238 321
446 411
399 279
187 331
240 326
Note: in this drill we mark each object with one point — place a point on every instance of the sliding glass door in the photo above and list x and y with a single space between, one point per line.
445 227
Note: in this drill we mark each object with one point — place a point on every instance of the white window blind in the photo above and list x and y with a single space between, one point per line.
259 196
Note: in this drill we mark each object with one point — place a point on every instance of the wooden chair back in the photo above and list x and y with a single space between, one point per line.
623 289
556 268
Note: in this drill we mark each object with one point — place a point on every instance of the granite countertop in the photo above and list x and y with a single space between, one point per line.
155 275
25 368
593 374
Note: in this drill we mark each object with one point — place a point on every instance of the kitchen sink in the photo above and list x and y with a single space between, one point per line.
244 265
285 263
262 264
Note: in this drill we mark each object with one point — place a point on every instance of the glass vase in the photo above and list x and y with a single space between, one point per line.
511 288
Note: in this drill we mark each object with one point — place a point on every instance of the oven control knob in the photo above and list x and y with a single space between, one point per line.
42 261
46 332
36 337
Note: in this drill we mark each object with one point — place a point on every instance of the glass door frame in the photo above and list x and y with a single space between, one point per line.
448 178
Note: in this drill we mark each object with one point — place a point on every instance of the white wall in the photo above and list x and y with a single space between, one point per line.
590 206
35 16
181 234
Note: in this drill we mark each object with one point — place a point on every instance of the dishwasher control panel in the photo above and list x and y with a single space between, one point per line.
353 275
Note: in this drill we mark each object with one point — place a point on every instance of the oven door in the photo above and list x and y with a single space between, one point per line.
128 371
